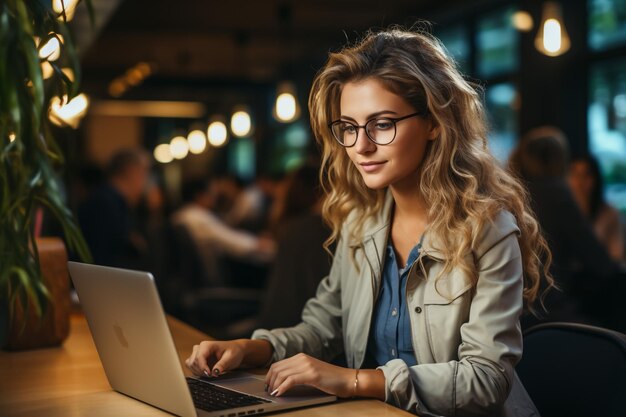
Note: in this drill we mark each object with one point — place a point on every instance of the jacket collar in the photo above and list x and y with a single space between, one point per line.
376 235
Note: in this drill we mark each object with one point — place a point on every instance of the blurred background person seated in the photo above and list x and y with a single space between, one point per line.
106 216
301 261
585 181
582 268
211 236
252 206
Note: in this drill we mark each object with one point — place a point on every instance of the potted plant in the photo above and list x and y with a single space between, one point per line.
30 157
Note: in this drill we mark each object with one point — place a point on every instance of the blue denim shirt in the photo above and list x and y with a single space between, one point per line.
390 336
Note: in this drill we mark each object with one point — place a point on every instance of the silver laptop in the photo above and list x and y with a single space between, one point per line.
135 345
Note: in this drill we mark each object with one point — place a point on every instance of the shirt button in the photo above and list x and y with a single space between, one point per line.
393 353
394 312
418 309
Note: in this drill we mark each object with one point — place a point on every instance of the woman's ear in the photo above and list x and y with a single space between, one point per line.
434 131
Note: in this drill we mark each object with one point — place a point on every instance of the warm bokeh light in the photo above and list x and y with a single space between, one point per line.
134 76
117 88
286 107
217 134
144 68
197 141
51 50
163 154
240 123
11 137
63 113
68 73
46 70
69 5
179 147
522 21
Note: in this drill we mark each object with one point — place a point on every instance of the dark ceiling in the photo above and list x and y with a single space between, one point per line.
197 47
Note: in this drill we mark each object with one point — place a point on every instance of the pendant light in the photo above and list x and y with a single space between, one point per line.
552 38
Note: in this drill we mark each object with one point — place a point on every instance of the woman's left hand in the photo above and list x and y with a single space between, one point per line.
303 369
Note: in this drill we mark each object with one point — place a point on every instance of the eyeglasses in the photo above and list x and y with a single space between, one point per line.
381 130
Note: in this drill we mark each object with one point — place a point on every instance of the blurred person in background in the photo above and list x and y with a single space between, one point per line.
212 236
252 207
106 216
226 189
152 216
301 261
581 266
585 181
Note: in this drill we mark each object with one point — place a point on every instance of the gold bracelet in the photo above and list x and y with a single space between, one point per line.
356 382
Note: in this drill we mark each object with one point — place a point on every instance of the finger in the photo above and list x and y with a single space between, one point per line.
193 366
281 367
189 360
207 354
225 363
288 383
285 370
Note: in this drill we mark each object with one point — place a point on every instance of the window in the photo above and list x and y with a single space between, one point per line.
456 41
496 44
607 126
502 104
241 158
607 23
289 149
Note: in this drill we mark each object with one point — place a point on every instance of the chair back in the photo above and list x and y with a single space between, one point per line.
198 268
573 370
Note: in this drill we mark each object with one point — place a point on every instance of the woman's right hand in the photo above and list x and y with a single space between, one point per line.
211 358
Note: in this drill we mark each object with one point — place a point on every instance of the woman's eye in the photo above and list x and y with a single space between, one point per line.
348 128
383 124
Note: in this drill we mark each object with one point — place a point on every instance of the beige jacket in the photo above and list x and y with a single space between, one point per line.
467 340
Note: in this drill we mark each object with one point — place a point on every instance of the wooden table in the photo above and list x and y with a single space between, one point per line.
69 381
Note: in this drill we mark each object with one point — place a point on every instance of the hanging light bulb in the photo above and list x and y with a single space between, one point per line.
70 113
552 38
51 50
217 134
286 108
197 141
240 123
163 154
69 5
179 147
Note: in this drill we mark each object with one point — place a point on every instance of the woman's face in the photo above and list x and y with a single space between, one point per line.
581 179
396 164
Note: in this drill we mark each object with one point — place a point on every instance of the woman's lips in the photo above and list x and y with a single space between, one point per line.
371 166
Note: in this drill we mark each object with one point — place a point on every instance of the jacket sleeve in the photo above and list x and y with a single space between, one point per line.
480 380
320 332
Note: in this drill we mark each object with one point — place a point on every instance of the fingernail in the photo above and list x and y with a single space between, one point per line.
273 393
216 372
206 373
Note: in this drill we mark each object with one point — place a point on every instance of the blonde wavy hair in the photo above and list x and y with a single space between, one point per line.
460 180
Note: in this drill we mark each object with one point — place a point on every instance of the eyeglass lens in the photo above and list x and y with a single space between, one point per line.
381 131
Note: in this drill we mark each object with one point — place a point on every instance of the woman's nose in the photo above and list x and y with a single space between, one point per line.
363 143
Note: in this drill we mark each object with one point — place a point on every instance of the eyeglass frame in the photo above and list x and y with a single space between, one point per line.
393 120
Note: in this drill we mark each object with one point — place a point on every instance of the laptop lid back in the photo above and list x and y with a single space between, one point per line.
132 336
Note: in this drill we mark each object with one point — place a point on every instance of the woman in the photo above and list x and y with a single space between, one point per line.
585 180
436 250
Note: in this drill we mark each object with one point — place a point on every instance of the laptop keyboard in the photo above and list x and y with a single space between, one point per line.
209 397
